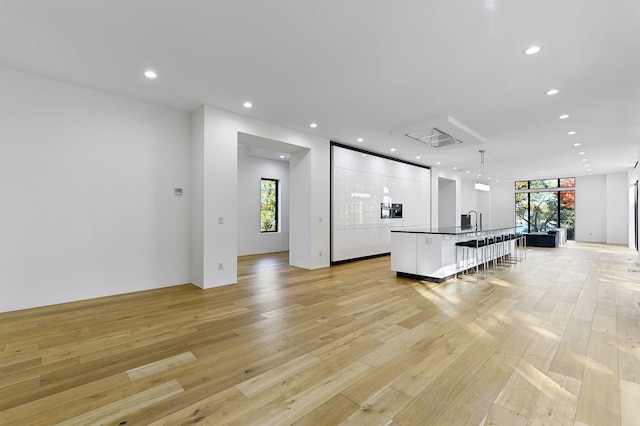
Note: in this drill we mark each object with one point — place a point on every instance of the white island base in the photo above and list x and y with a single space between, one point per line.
430 254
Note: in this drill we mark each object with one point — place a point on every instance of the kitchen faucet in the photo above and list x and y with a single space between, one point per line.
469 214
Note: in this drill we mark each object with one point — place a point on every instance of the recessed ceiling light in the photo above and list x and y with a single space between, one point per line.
313 125
282 156
247 104
587 165
577 144
497 180
455 168
552 91
581 153
418 157
590 173
150 74
364 155
359 139
480 175
468 171
393 150
563 116
437 163
584 159
488 178
572 132
532 50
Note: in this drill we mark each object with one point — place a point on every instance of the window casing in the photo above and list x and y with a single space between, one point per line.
269 205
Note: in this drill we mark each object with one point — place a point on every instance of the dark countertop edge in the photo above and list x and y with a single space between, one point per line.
456 232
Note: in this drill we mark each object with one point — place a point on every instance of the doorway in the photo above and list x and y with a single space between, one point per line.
446 202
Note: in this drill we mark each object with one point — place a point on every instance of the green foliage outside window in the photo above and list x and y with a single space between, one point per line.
522 211
540 211
543 183
268 205
568 212
543 211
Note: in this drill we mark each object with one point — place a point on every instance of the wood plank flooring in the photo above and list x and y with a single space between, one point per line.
551 340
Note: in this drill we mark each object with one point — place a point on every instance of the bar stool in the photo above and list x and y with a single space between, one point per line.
478 247
460 245
521 246
510 247
505 249
492 254
500 249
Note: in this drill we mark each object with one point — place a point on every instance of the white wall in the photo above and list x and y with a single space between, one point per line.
250 170
361 183
591 212
468 198
497 205
309 194
503 210
617 209
485 206
88 208
602 208
633 221
197 190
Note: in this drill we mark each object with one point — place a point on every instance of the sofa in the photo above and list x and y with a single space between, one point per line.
543 239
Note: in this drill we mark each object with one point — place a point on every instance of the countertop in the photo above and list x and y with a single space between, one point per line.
455 230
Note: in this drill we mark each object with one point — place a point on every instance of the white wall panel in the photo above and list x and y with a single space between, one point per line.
361 182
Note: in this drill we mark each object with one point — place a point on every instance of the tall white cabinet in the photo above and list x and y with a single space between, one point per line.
367 193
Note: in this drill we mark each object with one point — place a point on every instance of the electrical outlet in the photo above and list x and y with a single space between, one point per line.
220 266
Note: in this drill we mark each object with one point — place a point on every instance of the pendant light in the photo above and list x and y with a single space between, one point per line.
481 186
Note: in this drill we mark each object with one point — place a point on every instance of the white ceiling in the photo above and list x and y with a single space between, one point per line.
367 69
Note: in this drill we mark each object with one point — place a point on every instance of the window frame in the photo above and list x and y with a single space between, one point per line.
529 190
277 206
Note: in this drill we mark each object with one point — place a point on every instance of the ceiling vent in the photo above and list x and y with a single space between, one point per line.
434 137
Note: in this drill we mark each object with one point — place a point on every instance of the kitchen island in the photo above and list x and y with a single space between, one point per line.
430 253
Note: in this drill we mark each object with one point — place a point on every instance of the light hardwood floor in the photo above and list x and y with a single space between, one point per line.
551 340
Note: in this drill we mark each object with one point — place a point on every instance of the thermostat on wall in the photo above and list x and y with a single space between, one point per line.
177 191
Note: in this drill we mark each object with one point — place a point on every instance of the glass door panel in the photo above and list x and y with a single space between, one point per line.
568 213
522 212
543 214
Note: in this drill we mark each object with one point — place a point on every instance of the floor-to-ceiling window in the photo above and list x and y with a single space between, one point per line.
545 204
